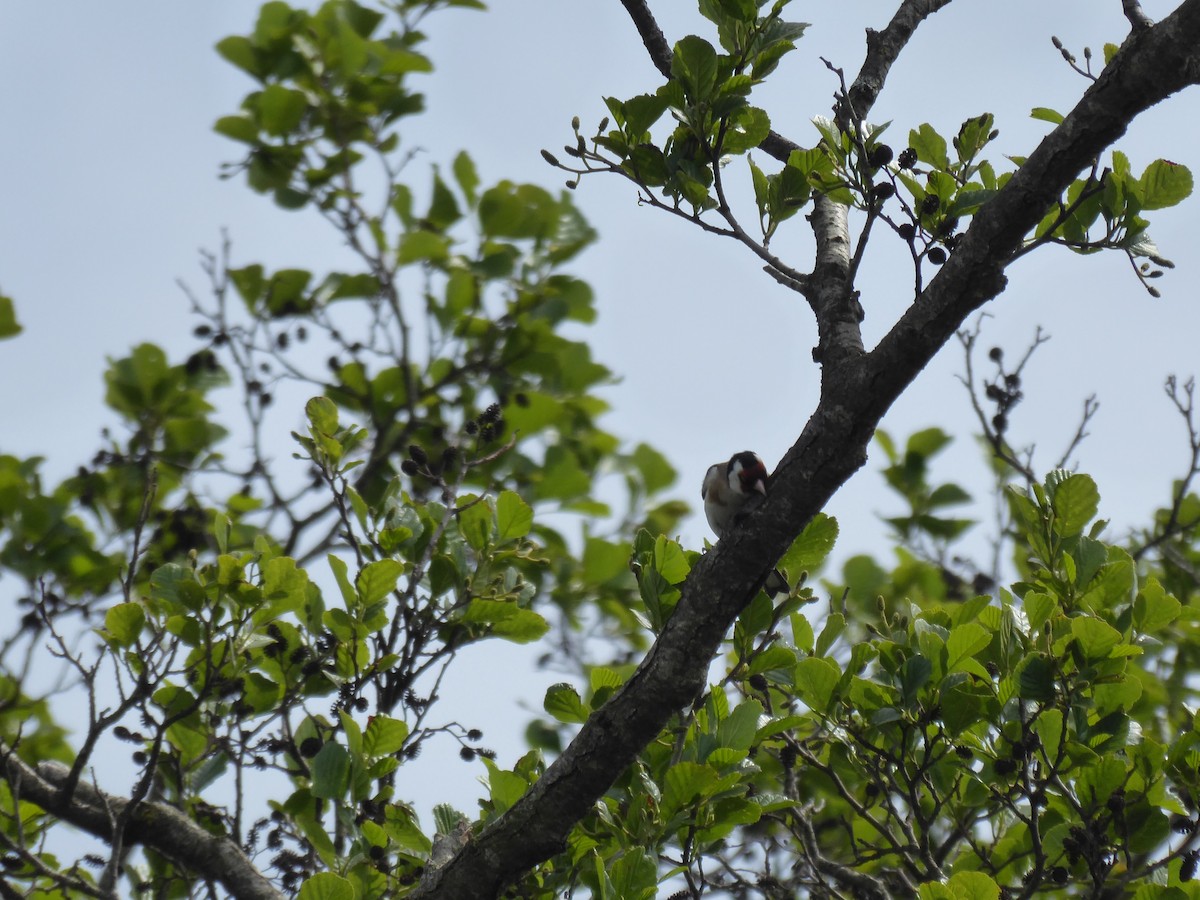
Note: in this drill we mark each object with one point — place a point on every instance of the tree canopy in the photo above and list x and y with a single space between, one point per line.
262 621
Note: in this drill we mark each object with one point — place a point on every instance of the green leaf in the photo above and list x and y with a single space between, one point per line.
341 574
326 886
810 550
563 702
775 658
738 729
384 736
466 176
261 692
443 207
1046 114
1164 183
634 875
285 292
423 246
285 586
1089 556
948 495
964 642
1049 728
967 202
1075 502
1154 608
604 560
124 622
1038 609
1036 679
745 129
505 788
694 65
378 579
835 624
475 521
330 771
9 327
930 146
973 886
249 282
669 560
686 782
241 52
816 678
641 112
514 517
322 415
239 128
280 109
657 473
517 211
176 584
506 620
1096 638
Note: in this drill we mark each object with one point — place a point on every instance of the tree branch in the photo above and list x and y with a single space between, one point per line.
154 825
855 394
883 47
652 36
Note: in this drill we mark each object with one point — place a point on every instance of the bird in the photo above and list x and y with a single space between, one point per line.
731 489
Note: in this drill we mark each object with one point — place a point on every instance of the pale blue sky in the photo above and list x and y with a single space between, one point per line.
110 187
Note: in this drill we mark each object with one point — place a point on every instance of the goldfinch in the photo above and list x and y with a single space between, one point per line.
731 489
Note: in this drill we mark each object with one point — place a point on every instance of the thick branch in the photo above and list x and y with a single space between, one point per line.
652 36
883 47
831 287
1152 65
153 825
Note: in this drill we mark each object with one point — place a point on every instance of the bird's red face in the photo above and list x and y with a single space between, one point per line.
747 473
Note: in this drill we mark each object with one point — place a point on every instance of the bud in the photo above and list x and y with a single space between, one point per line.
549 157
883 191
574 123
880 156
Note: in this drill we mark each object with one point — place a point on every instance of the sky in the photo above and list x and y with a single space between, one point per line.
110 188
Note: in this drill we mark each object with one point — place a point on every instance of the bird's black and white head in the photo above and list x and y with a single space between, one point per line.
746 473
728 486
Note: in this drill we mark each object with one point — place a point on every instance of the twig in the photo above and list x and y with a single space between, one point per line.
1138 20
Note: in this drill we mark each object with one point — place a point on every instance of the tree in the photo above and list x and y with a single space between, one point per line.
929 735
